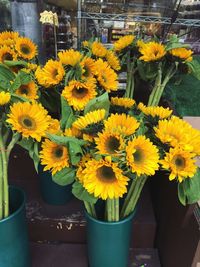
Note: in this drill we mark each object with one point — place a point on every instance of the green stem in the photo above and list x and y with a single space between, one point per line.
116 209
140 181
14 140
1 187
5 178
109 210
156 86
90 209
128 197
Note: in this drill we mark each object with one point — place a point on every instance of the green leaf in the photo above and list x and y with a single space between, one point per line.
75 152
181 194
6 74
67 116
194 65
174 42
11 63
101 102
24 77
64 177
64 140
82 194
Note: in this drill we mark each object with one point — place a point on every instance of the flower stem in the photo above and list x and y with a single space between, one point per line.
1 187
109 210
116 200
90 208
156 86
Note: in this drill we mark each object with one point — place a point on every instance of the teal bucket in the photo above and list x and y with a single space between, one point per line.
108 242
51 192
14 245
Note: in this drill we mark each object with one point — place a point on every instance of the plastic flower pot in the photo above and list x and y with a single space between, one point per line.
14 245
51 192
108 242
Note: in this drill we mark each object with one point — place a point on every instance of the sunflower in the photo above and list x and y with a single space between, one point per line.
124 102
29 119
152 51
7 53
142 156
173 131
28 90
182 54
25 48
70 57
90 119
74 132
104 179
98 49
4 98
78 94
122 124
54 126
123 42
81 166
32 66
55 157
51 74
159 112
106 76
8 38
113 60
85 44
180 163
109 143
88 67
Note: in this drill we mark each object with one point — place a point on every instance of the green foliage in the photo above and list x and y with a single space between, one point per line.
64 177
101 102
189 189
19 63
67 116
82 194
21 78
6 76
175 43
147 71
32 147
64 140
194 66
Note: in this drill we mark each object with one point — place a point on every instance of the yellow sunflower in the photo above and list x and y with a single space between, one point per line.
51 74
173 131
104 179
8 38
122 124
113 60
142 156
7 53
152 51
88 67
160 112
182 53
123 42
54 126
109 143
92 117
85 44
32 66
4 98
26 48
70 57
55 157
78 94
124 102
28 90
180 163
81 166
106 76
73 132
29 119
98 49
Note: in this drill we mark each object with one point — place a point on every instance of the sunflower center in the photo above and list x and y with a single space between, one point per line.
27 122
104 78
24 90
7 56
54 73
87 71
179 162
106 174
58 152
138 155
80 92
112 144
25 49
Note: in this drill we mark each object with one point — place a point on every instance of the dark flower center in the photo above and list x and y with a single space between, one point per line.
179 162
112 144
138 155
106 174
24 89
79 92
58 153
27 122
7 56
25 49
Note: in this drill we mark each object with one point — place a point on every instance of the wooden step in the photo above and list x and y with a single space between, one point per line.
75 255
66 223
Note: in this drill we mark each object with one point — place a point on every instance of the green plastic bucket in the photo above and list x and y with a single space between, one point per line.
108 242
51 192
14 245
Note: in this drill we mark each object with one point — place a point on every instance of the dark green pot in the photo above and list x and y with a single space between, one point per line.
14 245
51 192
108 242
